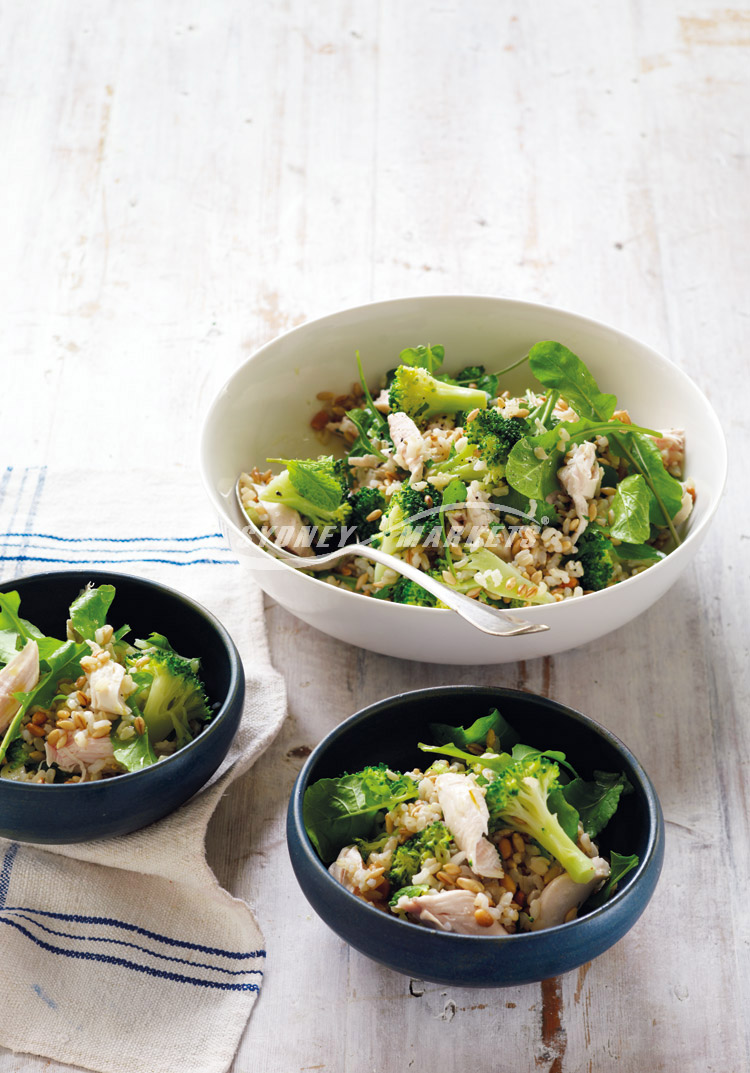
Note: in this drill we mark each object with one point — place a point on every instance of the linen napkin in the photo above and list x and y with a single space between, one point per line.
125 954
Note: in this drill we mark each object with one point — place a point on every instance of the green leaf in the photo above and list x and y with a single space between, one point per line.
596 801
637 553
454 493
514 502
337 811
535 478
476 733
135 753
10 621
8 646
565 812
88 612
495 761
631 510
620 866
560 369
423 357
363 445
665 487
312 479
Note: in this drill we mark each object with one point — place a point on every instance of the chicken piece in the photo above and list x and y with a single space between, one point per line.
686 507
382 402
79 757
345 867
671 446
580 477
410 447
19 675
467 817
562 894
448 910
105 689
289 530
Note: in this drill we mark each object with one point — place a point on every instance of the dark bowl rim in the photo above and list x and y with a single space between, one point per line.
236 680
655 816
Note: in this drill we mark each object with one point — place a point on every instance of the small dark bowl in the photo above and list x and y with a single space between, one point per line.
85 811
389 731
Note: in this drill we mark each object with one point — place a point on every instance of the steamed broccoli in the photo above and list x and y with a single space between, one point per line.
519 798
412 891
495 434
363 502
433 841
396 526
316 487
416 393
409 592
595 553
169 692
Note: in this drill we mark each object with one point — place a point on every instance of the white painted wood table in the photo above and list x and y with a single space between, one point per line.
182 181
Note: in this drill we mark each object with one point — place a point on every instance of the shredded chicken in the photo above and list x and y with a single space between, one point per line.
19 675
76 756
290 532
467 817
105 688
562 894
448 910
382 402
411 450
348 859
580 477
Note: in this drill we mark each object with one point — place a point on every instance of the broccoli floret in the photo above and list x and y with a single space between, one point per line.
489 438
170 693
434 841
363 502
395 525
499 579
518 798
408 592
495 434
413 891
595 553
316 487
416 393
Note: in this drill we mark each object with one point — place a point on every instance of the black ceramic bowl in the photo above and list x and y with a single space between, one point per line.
115 806
389 732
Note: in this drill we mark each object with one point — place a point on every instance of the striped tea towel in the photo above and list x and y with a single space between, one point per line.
125 954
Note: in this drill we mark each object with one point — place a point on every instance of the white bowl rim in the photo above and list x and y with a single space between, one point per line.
692 535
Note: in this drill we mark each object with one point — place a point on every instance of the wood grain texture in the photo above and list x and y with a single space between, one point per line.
183 181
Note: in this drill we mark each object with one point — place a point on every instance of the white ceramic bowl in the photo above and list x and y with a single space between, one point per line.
264 410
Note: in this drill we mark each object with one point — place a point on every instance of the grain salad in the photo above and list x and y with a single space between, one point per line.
511 499
92 705
493 838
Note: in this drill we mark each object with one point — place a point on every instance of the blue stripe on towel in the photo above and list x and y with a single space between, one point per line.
7 868
107 959
113 562
117 540
135 946
111 922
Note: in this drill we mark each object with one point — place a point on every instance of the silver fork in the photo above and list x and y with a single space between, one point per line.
484 618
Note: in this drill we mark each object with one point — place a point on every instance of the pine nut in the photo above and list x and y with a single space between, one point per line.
470 884
39 718
506 849
484 918
445 878
140 724
508 883
518 843
37 731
